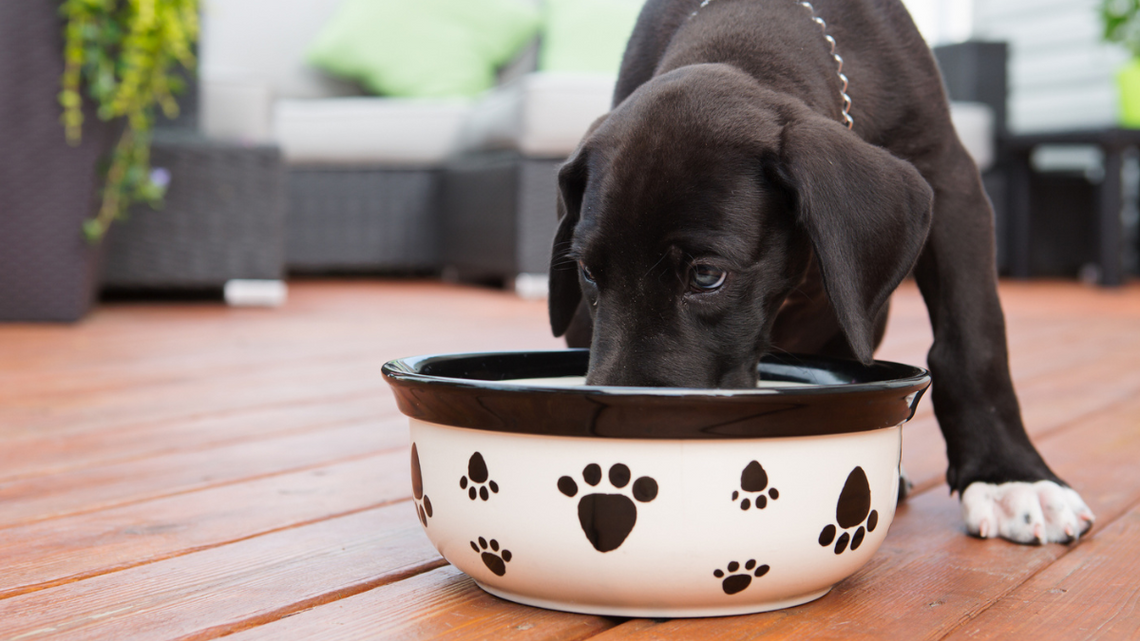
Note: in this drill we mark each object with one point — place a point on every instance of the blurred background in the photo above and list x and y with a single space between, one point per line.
218 148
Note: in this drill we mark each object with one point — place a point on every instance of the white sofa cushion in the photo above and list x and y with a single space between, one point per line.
363 130
542 114
266 40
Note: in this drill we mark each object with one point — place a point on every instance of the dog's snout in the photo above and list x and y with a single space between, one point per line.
615 372
644 364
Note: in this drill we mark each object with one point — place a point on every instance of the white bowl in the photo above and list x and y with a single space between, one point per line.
654 502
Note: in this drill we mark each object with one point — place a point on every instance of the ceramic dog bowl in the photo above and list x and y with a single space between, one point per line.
654 502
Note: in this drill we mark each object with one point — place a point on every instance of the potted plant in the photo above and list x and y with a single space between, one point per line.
117 62
1121 20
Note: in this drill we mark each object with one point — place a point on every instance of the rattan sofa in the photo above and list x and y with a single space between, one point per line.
362 174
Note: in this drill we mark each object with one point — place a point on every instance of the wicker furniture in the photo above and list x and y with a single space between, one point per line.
47 188
1106 212
357 219
362 173
223 219
500 191
498 219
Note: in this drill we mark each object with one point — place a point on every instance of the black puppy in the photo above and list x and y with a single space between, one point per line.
727 207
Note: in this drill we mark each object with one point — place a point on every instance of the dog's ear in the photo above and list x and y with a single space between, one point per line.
565 293
867 214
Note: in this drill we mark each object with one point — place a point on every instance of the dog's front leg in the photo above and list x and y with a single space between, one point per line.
1006 487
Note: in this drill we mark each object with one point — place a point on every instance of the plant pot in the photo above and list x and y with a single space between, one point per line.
47 187
1128 86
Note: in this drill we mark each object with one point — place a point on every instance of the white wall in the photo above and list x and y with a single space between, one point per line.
942 21
1061 74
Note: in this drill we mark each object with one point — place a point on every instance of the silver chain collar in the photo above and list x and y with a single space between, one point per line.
847 119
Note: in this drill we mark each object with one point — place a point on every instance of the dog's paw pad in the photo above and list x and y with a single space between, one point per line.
852 510
736 581
1035 513
607 519
753 483
478 481
495 559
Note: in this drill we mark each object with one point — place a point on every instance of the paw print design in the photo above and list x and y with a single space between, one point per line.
737 581
478 479
423 503
852 509
753 481
607 519
496 560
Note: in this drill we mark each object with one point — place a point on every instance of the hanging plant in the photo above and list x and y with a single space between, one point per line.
1121 20
126 54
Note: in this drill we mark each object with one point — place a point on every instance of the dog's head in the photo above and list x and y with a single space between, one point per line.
691 211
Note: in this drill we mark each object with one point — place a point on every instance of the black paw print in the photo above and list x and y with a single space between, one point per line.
738 581
608 518
852 509
423 503
753 480
478 475
495 560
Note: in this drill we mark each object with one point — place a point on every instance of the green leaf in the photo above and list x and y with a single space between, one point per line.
93 230
127 68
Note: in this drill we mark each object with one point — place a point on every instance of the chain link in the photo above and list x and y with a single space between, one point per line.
846 111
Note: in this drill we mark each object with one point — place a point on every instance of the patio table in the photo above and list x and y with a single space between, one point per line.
1114 143
184 470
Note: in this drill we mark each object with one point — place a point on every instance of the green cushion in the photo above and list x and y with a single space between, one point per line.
423 48
586 35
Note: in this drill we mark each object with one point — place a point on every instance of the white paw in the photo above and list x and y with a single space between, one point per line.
1041 512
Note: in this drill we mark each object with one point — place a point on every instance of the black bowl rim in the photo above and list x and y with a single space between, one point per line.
842 397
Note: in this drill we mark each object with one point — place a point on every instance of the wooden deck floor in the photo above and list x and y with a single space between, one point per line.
189 471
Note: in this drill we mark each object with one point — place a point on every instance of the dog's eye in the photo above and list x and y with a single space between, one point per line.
706 277
586 274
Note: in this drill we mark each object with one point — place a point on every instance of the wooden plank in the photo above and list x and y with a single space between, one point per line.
102 487
49 553
928 578
328 315
1090 593
442 604
208 593
1051 326
359 347
100 409
37 455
